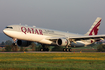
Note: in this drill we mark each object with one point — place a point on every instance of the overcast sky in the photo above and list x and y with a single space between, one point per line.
75 16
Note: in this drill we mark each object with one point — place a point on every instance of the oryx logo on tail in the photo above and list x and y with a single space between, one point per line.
95 27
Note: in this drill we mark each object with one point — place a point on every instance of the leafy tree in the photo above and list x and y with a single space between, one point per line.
57 48
2 43
26 49
7 48
101 48
37 48
33 46
14 47
21 49
8 42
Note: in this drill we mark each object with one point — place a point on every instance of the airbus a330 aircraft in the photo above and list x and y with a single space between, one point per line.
26 34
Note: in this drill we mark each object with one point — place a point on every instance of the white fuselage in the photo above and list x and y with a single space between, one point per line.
40 35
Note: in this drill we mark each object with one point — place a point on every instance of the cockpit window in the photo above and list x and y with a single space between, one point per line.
10 27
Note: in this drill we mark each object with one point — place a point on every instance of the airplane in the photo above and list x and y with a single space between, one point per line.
25 35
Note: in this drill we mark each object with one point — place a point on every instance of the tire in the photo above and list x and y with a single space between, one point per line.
70 50
64 49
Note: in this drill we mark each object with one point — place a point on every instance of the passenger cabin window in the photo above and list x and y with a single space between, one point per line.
10 27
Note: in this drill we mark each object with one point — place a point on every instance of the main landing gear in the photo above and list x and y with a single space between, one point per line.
67 49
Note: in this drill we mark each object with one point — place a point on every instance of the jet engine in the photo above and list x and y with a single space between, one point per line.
23 43
62 42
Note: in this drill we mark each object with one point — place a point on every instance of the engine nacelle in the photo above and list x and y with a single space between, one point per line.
62 42
23 43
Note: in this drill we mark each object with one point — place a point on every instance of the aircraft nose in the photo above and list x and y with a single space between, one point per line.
7 32
4 31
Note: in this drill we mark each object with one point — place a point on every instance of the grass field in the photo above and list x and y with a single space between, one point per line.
52 61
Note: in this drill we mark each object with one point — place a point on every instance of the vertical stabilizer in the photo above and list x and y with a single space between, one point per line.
95 27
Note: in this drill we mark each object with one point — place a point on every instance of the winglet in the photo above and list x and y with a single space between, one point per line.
95 27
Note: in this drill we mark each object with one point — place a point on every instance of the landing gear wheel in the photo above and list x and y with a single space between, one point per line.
70 49
14 44
67 50
64 49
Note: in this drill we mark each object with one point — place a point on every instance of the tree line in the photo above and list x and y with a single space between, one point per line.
7 42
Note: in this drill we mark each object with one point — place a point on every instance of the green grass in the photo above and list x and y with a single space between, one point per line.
52 61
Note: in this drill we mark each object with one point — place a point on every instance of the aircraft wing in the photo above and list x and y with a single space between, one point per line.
87 37
77 38
54 38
